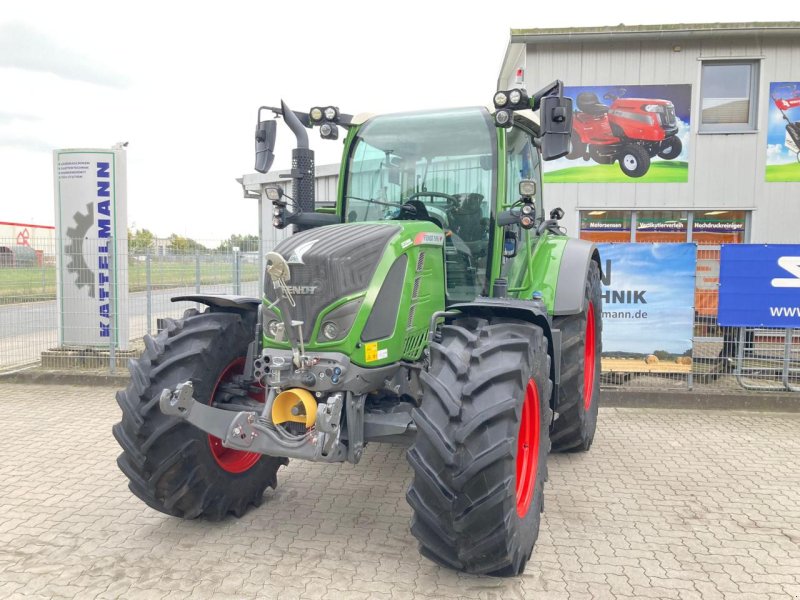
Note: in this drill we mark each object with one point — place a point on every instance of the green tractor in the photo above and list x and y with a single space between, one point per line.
436 306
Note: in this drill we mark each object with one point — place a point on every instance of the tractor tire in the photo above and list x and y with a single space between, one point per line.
579 391
670 148
480 454
173 466
634 160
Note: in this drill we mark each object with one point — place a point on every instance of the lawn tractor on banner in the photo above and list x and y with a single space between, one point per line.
436 307
629 130
791 101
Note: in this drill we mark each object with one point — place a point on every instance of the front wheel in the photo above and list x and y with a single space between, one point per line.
480 453
171 465
670 148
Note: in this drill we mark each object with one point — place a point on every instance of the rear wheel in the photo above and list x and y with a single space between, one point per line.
480 454
579 390
634 160
171 465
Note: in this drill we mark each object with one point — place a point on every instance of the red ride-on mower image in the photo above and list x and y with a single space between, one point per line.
630 130
784 104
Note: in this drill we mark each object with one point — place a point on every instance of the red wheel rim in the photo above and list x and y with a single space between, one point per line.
527 449
589 356
230 460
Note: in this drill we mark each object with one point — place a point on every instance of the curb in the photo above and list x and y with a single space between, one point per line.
47 377
751 401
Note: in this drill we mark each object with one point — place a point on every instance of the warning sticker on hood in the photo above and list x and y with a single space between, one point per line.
429 239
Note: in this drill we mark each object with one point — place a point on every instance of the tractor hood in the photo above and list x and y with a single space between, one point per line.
366 290
328 263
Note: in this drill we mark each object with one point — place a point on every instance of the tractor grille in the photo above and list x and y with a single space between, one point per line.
668 118
340 261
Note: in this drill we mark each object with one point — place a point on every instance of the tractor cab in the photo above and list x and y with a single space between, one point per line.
438 167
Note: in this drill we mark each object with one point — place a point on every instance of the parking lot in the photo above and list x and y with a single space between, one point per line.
668 504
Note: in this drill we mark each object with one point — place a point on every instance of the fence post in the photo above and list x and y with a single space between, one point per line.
787 349
197 270
149 291
237 271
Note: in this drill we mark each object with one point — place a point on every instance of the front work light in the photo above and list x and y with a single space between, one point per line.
502 118
315 114
331 113
500 99
329 131
527 188
274 193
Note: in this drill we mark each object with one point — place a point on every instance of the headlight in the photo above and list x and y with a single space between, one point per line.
500 99
656 108
330 330
272 329
337 323
330 113
315 114
515 96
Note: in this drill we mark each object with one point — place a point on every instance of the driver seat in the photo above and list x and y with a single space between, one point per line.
589 103
421 214
468 217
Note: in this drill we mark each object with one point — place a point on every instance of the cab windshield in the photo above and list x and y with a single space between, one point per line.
432 166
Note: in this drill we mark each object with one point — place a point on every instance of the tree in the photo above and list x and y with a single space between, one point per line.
179 243
139 240
245 243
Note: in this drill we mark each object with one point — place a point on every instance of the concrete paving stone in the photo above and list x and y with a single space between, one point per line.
644 514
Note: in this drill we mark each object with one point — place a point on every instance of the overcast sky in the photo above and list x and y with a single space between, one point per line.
181 84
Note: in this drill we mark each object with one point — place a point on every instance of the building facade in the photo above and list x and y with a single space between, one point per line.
737 177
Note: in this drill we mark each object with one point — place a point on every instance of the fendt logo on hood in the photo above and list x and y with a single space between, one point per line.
302 290
296 256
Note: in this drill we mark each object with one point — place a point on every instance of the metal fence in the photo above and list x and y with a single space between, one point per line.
35 327
721 359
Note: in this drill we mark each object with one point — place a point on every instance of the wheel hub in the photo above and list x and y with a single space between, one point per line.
527 449
230 460
589 356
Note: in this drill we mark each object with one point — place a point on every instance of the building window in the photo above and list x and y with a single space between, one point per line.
664 226
606 225
728 96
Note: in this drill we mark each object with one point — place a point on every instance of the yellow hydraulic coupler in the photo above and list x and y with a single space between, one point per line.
296 405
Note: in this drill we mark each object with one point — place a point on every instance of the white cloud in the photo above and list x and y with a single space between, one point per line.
24 47
779 154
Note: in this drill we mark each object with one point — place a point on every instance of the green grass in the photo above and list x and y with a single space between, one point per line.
787 172
32 284
667 171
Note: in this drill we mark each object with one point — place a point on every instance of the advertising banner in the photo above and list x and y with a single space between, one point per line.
91 232
759 285
783 133
634 133
648 305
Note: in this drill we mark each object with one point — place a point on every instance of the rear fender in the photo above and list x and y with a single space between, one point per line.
572 272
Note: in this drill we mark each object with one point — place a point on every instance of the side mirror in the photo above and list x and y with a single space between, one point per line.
265 145
556 122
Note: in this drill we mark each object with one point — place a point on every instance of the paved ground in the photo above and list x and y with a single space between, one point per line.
669 504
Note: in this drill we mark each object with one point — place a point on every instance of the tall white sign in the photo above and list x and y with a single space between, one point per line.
92 237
